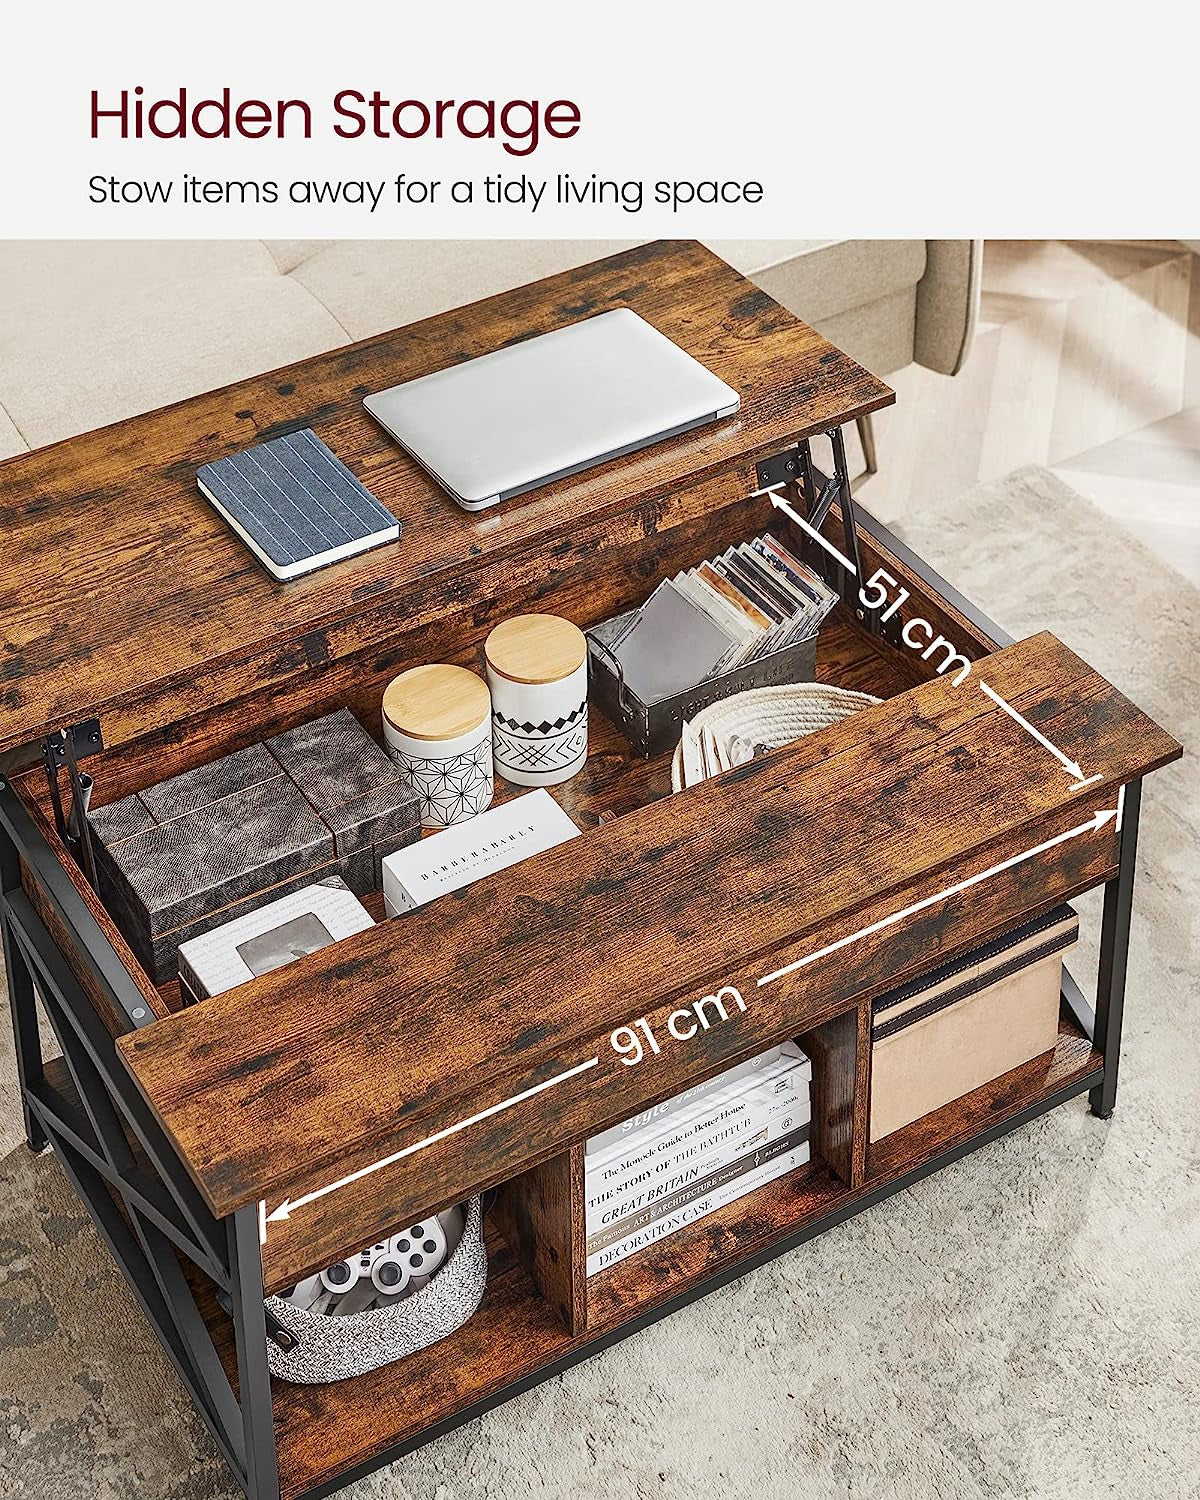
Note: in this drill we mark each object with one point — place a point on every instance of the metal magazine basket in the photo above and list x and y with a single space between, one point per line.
655 727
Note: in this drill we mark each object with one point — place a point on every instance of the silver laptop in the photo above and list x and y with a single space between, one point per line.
508 422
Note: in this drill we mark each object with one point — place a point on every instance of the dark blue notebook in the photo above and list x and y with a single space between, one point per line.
296 506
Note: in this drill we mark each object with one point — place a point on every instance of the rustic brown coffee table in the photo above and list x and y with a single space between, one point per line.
227 1149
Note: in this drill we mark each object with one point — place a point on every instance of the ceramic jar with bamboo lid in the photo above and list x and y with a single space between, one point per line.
437 727
537 673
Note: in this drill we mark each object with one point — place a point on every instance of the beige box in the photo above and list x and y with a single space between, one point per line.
953 1030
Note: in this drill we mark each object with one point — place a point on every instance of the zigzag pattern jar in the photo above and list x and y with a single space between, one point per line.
537 673
437 727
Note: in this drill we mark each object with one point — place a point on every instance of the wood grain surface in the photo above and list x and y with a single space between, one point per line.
834 1050
116 1021
169 613
475 998
489 1153
541 1214
601 569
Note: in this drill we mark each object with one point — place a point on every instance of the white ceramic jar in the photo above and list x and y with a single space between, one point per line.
437 727
537 674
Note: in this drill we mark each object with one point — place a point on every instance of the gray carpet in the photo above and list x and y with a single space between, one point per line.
1025 1324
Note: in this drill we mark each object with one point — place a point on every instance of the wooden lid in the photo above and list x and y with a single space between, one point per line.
437 702
535 648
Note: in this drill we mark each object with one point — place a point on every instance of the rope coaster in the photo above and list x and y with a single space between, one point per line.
774 716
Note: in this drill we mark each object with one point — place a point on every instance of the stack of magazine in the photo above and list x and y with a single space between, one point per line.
753 600
651 1175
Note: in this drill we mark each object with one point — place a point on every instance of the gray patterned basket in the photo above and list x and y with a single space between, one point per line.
339 1348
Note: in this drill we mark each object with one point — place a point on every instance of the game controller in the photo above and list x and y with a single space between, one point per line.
416 1251
389 1269
341 1277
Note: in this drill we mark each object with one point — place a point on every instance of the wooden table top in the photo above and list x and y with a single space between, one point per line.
512 978
122 592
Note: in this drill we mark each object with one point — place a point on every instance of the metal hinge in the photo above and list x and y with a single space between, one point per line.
780 468
67 747
817 494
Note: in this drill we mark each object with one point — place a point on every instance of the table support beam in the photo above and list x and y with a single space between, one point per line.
1114 954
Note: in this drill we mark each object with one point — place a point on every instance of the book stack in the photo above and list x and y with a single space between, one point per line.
665 1168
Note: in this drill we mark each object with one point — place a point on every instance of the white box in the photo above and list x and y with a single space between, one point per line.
465 852
269 937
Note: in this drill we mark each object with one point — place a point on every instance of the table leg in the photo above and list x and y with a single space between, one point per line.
250 1336
20 998
1114 954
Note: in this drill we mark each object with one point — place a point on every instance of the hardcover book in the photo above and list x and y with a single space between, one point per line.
737 1181
711 1148
600 1145
725 1116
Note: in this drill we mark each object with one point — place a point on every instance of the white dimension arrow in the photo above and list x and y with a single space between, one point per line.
288 1204
1098 821
781 504
1071 765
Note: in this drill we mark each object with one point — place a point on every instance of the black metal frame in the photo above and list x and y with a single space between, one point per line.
67 747
147 1208
127 1174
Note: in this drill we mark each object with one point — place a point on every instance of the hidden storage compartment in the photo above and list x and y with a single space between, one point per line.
614 781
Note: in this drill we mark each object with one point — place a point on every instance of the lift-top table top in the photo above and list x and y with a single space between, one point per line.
123 592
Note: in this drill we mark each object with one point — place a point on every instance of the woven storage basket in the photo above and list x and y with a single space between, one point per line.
775 716
338 1348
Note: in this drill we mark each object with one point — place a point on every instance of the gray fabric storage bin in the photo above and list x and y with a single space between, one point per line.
340 1348
209 845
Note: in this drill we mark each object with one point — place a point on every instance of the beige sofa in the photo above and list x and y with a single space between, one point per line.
94 331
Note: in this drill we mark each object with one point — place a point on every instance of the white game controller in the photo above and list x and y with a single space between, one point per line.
342 1276
417 1251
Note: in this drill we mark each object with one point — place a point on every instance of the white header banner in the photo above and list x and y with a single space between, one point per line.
621 119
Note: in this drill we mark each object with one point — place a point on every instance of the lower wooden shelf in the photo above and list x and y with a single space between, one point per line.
325 1434
1069 1066
327 1431
732 1234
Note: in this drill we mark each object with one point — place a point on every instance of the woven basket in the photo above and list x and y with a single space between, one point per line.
775 716
339 1348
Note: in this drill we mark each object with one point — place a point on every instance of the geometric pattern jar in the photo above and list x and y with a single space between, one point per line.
537 675
436 724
